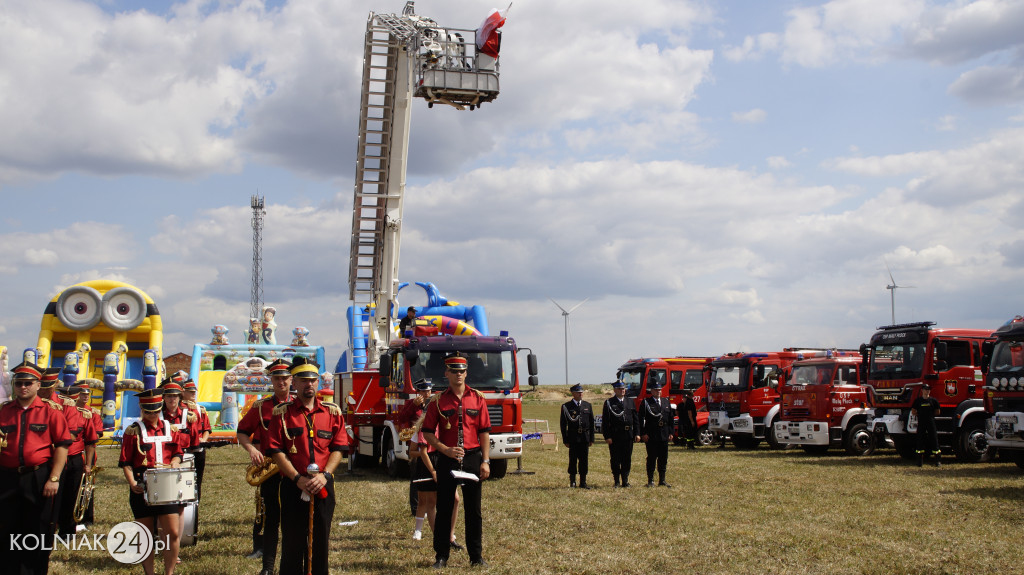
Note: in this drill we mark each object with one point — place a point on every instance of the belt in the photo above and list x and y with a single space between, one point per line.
21 470
472 450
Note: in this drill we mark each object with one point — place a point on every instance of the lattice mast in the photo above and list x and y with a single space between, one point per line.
404 56
256 299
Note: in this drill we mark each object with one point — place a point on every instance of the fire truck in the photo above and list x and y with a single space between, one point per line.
902 358
681 373
824 404
1004 394
376 397
742 399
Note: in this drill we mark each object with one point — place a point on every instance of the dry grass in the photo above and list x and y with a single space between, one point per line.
729 511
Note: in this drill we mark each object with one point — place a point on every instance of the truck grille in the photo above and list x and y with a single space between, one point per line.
732 409
799 412
496 412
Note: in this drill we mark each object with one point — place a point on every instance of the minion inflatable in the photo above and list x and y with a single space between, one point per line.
103 333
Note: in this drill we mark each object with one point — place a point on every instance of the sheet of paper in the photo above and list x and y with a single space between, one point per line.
463 475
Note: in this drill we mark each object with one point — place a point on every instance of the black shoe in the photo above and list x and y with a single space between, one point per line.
267 571
650 484
440 564
584 486
479 563
455 545
255 554
938 464
572 484
626 484
691 446
663 484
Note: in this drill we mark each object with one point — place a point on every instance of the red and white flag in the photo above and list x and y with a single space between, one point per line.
488 38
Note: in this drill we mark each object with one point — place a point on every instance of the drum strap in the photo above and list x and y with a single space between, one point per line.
157 440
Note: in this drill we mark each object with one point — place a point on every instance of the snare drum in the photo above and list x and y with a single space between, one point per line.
167 485
188 460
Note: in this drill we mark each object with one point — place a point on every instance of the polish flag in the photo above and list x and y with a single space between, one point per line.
488 38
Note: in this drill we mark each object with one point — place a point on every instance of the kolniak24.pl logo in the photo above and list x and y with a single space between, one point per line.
129 542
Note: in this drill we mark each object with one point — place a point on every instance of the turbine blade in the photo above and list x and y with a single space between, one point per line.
890 272
573 308
559 307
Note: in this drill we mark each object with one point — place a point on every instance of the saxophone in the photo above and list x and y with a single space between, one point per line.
256 474
408 433
85 490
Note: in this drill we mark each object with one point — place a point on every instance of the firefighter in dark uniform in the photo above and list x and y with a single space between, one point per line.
688 419
577 424
656 421
80 455
620 425
34 442
252 430
458 426
304 433
926 408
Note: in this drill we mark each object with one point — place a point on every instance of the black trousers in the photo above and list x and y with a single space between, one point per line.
269 493
26 513
621 454
414 494
657 454
471 495
579 459
689 432
927 439
70 480
295 530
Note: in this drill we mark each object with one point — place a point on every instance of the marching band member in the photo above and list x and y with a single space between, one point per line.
303 433
185 423
251 436
425 476
458 426
149 443
189 390
34 442
74 468
80 454
94 421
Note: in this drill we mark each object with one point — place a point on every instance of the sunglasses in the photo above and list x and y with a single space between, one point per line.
24 382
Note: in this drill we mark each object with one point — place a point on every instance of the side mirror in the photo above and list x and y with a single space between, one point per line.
531 366
412 356
986 354
384 371
940 351
534 381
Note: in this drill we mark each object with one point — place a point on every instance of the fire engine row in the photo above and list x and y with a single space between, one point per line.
859 399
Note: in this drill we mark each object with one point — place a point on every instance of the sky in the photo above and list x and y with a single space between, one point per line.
714 176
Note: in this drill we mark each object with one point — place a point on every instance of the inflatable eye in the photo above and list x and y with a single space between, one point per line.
78 308
123 309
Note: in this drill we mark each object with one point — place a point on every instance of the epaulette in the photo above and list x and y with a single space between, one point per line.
478 393
192 417
68 402
53 404
280 408
5 403
132 429
332 408
192 405
86 412
95 411
433 398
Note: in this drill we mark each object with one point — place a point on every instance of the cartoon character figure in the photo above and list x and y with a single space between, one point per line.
299 339
220 335
255 330
269 326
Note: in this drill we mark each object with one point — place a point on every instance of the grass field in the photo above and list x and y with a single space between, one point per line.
728 511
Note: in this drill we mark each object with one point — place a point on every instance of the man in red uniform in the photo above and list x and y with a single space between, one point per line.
189 390
95 423
82 451
34 442
303 433
458 426
251 431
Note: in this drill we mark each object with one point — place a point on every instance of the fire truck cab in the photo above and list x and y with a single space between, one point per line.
824 404
681 374
1004 392
904 357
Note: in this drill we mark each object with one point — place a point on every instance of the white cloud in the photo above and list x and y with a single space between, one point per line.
946 123
753 48
755 116
778 162
988 85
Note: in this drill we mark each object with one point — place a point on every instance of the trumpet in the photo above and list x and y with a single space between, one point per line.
85 490
256 474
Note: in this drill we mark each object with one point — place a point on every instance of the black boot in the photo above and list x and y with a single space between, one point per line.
920 459
572 481
616 481
938 459
583 482
625 481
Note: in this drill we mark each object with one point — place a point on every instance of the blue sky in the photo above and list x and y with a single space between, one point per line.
715 176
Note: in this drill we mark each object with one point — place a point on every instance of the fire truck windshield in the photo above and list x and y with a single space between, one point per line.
729 378
1008 356
812 374
493 370
634 379
899 361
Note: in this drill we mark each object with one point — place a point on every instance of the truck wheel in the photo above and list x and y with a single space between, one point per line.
745 441
706 437
905 446
971 445
498 468
815 449
773 440
395 466
859 441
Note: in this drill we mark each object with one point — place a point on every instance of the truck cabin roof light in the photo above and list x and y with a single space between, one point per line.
906 325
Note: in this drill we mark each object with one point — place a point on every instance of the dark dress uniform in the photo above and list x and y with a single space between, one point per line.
305 436
577 424
656 423
255 424
927 437
444 414
619 423
688 426
28 439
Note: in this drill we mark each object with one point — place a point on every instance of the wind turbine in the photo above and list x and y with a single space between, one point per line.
565 315
892 292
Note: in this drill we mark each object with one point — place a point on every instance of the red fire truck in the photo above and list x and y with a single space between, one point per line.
824 404
374 398
904 357
742 399
681 373
1004 394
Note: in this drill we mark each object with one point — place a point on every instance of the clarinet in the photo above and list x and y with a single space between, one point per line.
460 439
